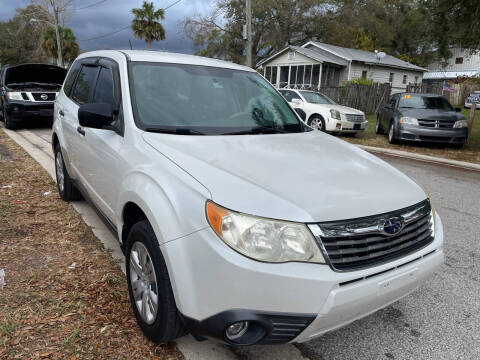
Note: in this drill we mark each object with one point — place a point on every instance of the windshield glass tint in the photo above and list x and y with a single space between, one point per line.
206 100
424 102
316 98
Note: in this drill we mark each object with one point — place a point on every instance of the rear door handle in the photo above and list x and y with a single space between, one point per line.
81 131
61 113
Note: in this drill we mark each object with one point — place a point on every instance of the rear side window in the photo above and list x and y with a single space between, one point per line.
289 95
104 88
72 75
84 84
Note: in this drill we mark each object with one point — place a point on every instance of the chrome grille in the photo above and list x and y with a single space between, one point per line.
359 243
439 124
354 117
39 96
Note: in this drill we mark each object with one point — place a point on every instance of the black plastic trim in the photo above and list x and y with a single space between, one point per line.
267 327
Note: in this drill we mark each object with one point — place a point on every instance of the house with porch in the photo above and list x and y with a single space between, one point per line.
315 65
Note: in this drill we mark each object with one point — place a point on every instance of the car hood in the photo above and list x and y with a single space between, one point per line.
340 108
305 177
36 73
434 114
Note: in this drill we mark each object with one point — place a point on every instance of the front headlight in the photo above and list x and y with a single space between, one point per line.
264 239
406 120
14 95
335 114
460 124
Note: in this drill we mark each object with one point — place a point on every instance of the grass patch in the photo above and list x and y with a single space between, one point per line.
470 152
46 309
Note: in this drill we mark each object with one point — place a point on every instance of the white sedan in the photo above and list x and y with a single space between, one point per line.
324 114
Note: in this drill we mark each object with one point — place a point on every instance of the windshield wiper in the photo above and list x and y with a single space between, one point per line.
258 130
178 131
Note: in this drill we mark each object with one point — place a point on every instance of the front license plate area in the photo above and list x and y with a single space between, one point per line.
397 282
356 127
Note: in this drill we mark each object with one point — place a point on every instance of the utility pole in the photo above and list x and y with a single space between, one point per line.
59 42
248 16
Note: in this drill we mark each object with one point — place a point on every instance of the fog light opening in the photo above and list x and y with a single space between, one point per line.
236 330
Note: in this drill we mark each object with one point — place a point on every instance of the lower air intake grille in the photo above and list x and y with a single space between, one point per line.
286 329
365 242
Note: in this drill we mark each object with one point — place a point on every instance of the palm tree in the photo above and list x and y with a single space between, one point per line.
145 24
69 45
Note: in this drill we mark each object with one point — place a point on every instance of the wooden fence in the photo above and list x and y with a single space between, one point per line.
456 98
368 98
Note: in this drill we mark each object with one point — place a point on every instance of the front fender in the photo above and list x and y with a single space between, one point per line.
174 205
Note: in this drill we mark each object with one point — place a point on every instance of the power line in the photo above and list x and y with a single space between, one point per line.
89 6
124 28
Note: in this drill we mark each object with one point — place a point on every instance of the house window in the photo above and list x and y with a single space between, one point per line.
274 75
291 55
364 74
416 79
390 79
459 60
404 79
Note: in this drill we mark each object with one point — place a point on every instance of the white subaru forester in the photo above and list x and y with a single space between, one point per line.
238 222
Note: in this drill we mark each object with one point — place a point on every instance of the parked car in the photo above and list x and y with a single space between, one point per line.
205 174
421 118
472 98
28 91
324 114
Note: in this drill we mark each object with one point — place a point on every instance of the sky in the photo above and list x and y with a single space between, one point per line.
112 15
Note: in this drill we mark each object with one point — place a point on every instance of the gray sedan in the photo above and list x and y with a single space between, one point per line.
422 118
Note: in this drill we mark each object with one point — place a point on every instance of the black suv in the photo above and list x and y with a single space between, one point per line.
28 90
422 118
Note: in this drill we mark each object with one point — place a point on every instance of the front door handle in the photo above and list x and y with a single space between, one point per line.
81 131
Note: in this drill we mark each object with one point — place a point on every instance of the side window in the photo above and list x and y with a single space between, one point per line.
84 84
70 80
392 102
104 88
289 95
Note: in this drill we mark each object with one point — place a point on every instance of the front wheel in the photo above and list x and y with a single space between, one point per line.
391 134
9 124
149 286
317 123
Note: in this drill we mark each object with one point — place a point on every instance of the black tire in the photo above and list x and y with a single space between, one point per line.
317 122
391 133
378 127
9 124
66 189
167 324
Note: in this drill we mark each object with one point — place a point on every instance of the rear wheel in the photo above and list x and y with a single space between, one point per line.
149 286
391 133
9 124
378 127
66 189
317 123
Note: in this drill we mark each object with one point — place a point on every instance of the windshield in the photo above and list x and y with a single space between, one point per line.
201 100
412 101
317 98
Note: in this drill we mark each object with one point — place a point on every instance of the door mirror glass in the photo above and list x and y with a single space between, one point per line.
96 116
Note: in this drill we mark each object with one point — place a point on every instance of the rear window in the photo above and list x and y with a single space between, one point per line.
84 84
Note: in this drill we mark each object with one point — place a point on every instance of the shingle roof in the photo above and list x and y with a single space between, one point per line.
318 56
366 56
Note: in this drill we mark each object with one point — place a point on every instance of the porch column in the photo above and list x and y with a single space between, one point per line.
277 80
320 76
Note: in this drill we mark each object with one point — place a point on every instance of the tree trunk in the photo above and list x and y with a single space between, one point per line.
149 44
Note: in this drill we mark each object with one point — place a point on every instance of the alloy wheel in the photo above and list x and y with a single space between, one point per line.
144 282
59 171
317 124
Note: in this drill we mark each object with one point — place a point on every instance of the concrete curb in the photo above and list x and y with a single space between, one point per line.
419 157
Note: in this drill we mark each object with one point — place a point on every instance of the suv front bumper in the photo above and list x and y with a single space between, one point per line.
215 286
19 110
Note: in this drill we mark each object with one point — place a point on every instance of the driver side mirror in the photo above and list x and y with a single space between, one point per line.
96 116
296 101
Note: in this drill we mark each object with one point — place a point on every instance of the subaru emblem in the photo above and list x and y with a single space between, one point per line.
44 96
392 225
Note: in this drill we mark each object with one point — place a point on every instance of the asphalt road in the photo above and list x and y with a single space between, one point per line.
441 320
